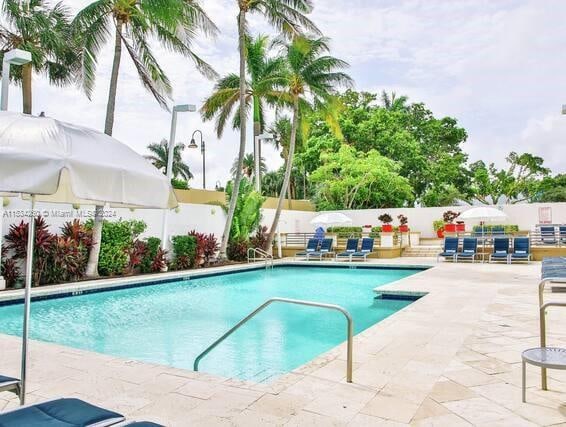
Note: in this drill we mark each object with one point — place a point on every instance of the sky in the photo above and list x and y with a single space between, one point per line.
498 67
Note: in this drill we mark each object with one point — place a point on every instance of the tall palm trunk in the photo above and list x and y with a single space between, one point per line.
26 87
92 266
241 153
287 178
257 132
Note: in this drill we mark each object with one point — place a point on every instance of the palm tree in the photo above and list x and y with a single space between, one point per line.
44 31
287 16
134 22
311 84
159 159
393 102
248 166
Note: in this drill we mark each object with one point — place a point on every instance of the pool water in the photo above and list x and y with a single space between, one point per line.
171 323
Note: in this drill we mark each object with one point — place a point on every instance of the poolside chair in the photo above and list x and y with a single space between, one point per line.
500 250
325 249
547 235
9 384
450 248
469 249
312 246
65 412
365 250
351 247
319 234
562 233
521 250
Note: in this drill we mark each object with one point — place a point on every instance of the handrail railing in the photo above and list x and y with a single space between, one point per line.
350 330
543 334
265 256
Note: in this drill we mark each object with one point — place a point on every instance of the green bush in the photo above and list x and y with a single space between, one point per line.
237 249
184 252
117 238
179 184
489 228
153 244
346 231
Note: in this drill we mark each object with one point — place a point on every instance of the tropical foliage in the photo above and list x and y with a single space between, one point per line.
248 166
160 154
44 31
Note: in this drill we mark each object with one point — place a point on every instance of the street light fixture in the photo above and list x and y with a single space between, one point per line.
257 172
12 57
183 108
193 144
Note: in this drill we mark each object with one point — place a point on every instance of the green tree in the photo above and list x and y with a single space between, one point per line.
45 32
520 181
248 167
553 189
134 23
311 83
287 16
159 155
393 102
248 210
350 179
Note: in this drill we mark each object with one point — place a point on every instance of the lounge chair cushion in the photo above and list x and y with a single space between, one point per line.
60 413
5 379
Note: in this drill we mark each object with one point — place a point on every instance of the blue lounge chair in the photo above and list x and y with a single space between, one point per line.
325 249
351 247
450 248
469 249
547 235
319 234
562 233
500 250
312 246
365 250
521 250
65 413
9 384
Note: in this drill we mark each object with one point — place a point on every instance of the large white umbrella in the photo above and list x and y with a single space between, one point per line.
59 162
483 213
331 218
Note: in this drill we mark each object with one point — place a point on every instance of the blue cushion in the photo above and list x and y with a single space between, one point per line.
5 379
59 413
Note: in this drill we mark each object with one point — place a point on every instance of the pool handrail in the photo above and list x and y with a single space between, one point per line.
350 330
263 256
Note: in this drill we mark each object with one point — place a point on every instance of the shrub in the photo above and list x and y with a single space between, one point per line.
136 254
489 228
118 238
152 246
345 232
385 218
438 224
403 220
211 246
450 216
179 184
159 262
199 249
237 250
259 239
10 271
184 252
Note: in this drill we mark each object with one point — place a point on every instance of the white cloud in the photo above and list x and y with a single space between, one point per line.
495 66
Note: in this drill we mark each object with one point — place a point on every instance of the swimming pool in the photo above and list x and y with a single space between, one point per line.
171 323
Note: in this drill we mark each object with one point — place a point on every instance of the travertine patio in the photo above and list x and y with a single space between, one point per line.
450 359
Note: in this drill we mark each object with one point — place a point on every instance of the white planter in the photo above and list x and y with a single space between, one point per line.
2 283
386 240
415 238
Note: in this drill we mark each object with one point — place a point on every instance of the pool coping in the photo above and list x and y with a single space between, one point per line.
16 296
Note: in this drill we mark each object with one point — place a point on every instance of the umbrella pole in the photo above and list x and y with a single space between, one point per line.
27 301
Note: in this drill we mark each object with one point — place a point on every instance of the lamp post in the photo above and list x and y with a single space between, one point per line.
257 171
183 108
193 144
12 57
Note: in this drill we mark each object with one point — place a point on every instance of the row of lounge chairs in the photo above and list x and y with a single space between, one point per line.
60 412
501 252
549 235
319 249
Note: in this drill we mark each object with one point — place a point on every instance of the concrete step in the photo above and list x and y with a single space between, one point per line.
422 251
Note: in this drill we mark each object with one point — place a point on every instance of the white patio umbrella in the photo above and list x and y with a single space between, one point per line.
53 161
331 218
484 213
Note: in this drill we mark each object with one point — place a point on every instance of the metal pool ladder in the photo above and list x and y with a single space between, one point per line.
263 256
350 328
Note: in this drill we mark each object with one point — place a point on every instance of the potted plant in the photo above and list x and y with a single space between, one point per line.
403 221
449 217
386 219
460 226
438 226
